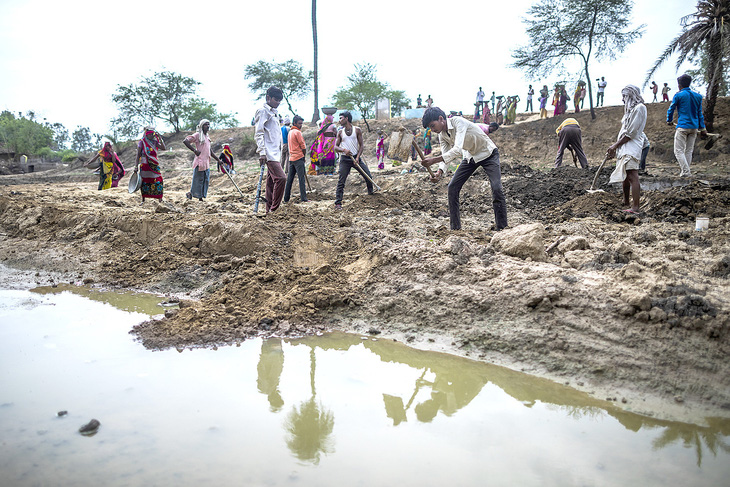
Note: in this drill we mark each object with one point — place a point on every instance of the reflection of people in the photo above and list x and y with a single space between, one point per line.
271 364
569 137
689 121
148 165
268 146
201 163
455 136
628 146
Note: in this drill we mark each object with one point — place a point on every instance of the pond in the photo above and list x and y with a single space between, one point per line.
332 410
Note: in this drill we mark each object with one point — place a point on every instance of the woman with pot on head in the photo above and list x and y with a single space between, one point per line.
326 146
201 163
148 165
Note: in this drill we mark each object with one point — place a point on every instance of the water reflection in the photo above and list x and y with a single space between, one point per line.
446 384
124 300
310 426
271 363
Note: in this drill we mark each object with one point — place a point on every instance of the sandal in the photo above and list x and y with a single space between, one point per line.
632 212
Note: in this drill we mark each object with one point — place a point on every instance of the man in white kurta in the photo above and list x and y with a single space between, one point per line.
628 147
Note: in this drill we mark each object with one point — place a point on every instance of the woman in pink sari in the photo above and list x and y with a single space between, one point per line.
150 167
326 146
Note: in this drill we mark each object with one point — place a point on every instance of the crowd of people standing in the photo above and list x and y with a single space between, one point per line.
282 150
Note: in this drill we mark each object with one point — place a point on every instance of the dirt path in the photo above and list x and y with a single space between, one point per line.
635 310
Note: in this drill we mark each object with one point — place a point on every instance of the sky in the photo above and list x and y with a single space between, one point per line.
64 60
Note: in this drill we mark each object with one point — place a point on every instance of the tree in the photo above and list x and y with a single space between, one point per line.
704 32
198 109
60 136
23 135
699 74
289 76
162 96
560 30
363 90
398 102
81 139
315 117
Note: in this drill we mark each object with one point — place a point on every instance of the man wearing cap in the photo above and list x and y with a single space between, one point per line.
569 137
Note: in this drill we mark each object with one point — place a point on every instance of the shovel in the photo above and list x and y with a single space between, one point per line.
595 178
356 164
423 158
225 170
258 191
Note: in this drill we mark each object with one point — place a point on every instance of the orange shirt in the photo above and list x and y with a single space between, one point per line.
297 147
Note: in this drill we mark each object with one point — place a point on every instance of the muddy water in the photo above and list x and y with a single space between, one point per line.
331 410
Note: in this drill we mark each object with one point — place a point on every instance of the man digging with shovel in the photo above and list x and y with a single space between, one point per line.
349 144
457 135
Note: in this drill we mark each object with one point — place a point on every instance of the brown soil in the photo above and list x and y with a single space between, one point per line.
621 306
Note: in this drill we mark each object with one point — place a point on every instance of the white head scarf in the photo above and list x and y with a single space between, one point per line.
632 97
201 135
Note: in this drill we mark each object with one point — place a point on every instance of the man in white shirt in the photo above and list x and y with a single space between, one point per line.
601 90
480 97
459 138
268 145
628 147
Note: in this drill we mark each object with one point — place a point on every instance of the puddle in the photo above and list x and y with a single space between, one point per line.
327 411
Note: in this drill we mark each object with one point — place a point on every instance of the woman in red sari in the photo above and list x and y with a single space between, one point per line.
150 172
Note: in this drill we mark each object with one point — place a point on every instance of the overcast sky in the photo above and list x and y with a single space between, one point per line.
64 59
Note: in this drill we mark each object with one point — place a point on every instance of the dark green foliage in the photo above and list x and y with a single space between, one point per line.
23 135
289 76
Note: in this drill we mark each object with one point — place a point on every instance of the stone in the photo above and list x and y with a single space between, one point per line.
523 241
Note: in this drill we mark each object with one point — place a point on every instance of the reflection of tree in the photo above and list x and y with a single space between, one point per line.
310 425
271 364
692 435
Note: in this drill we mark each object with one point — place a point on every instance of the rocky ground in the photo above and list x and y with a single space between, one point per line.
632 309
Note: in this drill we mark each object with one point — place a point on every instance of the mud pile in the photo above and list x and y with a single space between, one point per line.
575 289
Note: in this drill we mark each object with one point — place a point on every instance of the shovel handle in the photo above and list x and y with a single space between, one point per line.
595 178
356 165
423 158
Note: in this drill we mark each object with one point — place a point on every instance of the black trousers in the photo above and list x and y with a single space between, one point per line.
347 163
570 136
296 168
463 173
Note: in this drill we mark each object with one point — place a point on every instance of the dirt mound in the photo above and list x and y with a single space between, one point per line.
617 302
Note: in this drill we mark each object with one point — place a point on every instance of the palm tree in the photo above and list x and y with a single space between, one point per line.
705 31
315 117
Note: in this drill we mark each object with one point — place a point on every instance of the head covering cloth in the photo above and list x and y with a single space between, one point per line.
201 135
632 97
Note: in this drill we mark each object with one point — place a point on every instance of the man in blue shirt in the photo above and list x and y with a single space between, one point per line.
690 121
